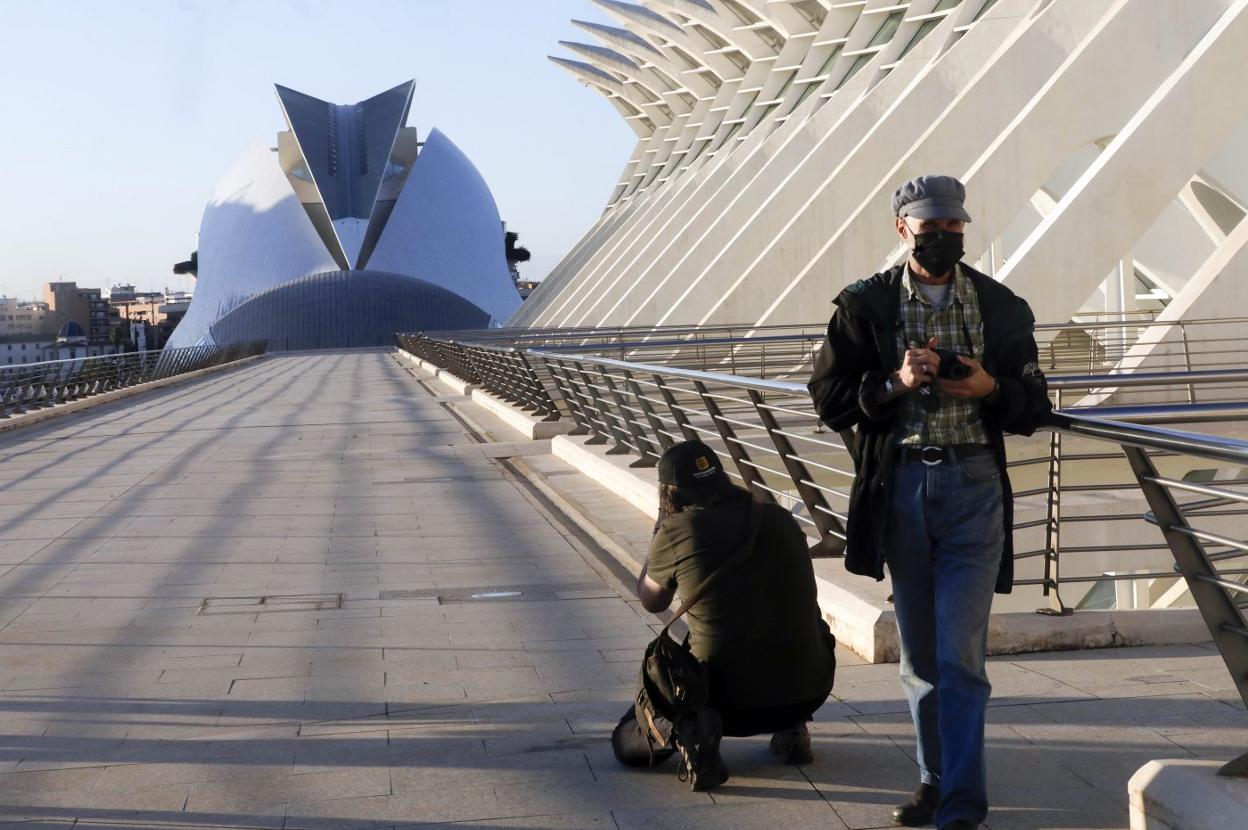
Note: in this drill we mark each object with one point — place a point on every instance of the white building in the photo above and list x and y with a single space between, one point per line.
1101 142
351 228
69 343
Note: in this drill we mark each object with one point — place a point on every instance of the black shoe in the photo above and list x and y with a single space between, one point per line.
918 810
961 824
698 739
792 744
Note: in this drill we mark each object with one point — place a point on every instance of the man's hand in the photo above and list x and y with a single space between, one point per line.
919 366
980 384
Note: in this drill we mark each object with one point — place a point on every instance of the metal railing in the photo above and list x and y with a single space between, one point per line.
780 451
1062 486
1084 347
33 386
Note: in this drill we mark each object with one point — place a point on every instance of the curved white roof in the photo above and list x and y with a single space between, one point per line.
349 192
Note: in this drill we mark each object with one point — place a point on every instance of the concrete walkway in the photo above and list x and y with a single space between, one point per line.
286 596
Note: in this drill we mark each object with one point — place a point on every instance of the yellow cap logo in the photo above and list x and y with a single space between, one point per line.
702 463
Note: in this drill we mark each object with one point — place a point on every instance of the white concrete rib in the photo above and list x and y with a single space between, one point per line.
771 135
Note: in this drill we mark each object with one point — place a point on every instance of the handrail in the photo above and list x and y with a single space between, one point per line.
1236 375
1143 323
1095 351
1168 413
73 360
466 335
26 387
1213 448
757 384
717 341
1218 411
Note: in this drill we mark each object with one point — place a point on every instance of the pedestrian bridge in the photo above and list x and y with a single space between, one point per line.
323 590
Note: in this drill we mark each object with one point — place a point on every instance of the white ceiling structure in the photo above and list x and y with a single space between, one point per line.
1101 142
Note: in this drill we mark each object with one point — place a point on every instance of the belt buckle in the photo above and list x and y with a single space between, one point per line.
938 452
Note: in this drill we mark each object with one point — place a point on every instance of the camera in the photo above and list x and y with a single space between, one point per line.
950 367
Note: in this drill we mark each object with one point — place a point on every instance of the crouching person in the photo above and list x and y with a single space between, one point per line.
743 571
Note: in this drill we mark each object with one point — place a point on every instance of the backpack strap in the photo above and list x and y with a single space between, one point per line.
755 522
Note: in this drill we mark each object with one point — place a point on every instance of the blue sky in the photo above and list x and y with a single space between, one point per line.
120 116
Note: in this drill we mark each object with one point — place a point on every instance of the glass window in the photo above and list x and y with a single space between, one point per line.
927 26
827 64
728 137
854 67
787 85
887 29
806 93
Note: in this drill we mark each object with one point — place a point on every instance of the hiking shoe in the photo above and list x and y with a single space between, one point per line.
792 745
698 739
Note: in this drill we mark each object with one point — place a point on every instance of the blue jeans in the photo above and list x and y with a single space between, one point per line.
944 550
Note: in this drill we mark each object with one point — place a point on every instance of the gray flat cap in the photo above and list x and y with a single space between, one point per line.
931 197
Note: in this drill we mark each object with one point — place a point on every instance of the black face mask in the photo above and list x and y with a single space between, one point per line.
937 251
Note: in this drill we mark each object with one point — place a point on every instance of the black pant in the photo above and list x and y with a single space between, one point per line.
633 749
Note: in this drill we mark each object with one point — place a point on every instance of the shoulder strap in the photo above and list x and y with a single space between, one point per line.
754 523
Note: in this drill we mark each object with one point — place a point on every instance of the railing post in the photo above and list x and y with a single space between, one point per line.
656 425
749 475
831 531
1053 529
678 414
641 441
1187 362
542 400
617 434
472 362
599 428
1220 612
567 387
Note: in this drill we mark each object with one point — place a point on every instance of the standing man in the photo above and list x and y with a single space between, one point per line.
932 361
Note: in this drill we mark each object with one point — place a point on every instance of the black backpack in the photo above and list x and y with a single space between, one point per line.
674 684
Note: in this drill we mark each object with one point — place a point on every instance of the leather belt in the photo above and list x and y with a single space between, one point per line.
931 456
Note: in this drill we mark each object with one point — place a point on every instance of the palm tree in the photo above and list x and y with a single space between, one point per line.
190 266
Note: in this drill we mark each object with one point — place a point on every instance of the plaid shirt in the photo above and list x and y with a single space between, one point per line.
958 327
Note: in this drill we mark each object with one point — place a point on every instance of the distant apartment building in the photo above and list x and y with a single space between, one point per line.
84 306
21 317
67 324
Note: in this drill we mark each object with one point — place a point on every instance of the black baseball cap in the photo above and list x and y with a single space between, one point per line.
689 464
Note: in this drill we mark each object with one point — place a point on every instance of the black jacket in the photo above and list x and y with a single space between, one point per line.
859 353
